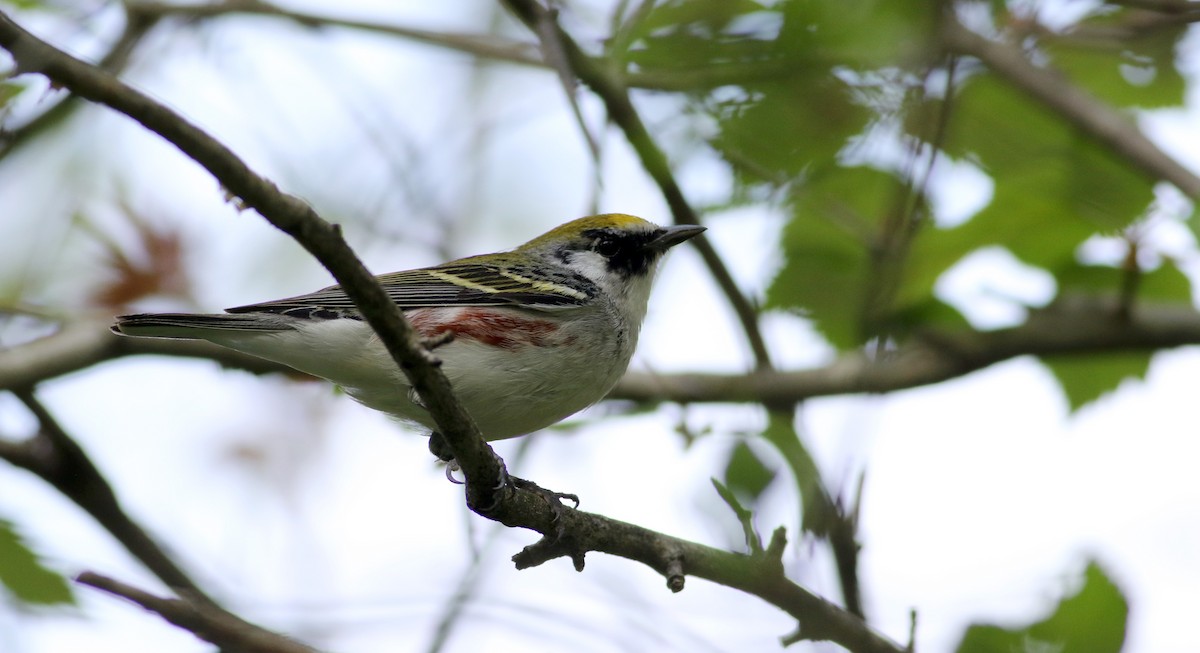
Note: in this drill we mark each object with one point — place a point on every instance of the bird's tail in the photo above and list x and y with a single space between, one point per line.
196 326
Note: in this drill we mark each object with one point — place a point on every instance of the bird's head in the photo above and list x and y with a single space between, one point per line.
611 248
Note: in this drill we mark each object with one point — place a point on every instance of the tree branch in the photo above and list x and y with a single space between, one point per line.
1072 327
570 532
117 57
58 459
1109 127
209 623
1084 327
615 96
291 215
479 45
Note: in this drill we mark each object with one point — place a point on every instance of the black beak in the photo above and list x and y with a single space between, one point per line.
673 235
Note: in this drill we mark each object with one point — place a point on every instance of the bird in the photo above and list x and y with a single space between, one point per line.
533 335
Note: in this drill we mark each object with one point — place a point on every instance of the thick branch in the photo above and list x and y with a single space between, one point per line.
205 621
136 28
759 575
290 215
573 532
1111 128
1086 329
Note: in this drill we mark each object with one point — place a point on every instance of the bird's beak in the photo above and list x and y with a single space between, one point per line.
673 235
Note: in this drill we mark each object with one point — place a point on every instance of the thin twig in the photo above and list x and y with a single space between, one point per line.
573 532
295 218
115 60
209 623
479 45
57 458
622 112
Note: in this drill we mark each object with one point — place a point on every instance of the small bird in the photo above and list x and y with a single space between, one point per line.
538 333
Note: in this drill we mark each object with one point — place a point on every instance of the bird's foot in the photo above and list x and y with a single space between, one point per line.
439 448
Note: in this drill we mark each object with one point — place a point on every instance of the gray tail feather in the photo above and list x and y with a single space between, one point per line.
190 326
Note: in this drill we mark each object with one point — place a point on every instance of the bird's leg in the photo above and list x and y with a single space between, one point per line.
439 448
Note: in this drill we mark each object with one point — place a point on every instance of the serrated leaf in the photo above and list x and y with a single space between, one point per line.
745 473
1091 621
1084 378
24 575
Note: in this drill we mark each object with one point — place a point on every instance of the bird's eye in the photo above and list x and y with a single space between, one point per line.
607 247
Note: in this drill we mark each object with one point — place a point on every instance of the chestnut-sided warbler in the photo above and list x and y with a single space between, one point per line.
539 332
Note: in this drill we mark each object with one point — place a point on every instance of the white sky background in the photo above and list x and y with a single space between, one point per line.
305 512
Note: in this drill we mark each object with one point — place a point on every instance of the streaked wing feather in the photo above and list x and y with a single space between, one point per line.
452 284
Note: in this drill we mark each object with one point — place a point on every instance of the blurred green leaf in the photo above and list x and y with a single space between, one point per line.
1085 379
1167 283
1091 621
8 91
25 576
868 34
1054 187
827 272
776 130
746 475
1131 68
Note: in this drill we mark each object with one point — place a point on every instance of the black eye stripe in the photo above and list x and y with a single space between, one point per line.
608 246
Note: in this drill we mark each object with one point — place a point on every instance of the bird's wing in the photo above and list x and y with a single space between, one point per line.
461 283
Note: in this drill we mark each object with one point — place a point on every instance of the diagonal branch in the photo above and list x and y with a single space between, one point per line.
208 622
58 459
117 57
1109 127
1084 328
620 109
292 216
571 532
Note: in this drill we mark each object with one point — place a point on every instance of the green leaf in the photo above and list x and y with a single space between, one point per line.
867 34
25 576
826 245
776 130
1140 72
1086 378
1167 283
1054 186
10 90
1091 621
745 473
